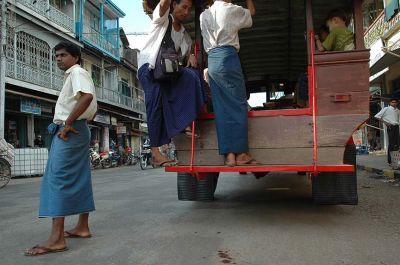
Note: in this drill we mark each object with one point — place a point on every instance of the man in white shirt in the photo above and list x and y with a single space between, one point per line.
390 117
66 185
171 106
220 25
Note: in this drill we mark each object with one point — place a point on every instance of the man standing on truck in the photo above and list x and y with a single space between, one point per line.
220 25
172 105
390 117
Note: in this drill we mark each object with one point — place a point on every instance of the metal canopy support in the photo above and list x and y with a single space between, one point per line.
3 36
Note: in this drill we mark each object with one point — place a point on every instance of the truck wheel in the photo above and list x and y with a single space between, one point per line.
207 186
216 177
335 188
187 186
191 189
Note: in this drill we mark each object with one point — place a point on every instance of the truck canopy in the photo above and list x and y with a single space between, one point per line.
274 49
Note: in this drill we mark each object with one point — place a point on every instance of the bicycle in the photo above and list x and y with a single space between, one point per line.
6 158
5 171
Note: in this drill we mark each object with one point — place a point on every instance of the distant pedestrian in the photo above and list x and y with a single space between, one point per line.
96 146
390 117
67 186
38 141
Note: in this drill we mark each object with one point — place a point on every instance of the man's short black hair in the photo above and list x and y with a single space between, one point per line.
71 48
340 13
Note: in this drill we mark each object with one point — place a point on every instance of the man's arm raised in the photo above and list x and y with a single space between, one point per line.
251 7
164 5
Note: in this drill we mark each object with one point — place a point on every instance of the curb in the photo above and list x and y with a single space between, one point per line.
386 173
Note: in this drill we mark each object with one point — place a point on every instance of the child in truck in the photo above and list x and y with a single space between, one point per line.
340 38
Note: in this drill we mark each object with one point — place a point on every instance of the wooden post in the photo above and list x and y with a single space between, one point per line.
358 25
310 27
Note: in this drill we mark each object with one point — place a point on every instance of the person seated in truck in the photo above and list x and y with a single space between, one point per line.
323 33
340 38
301 91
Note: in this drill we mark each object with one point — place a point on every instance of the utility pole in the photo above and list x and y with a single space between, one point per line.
3 35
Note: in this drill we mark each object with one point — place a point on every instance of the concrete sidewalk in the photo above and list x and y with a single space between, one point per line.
377 163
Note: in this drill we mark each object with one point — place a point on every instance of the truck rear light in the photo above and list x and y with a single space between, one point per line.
341 98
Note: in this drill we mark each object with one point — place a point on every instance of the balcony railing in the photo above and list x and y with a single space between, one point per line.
99 41
42 7
114 97
379 28
33 66
61 19
34 75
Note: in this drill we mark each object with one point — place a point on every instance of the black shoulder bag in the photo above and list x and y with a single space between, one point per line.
167 66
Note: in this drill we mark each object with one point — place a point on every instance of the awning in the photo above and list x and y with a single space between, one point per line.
30 96
383 62
384 54
378 77
120 114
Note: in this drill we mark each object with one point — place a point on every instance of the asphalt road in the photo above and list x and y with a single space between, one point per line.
272 221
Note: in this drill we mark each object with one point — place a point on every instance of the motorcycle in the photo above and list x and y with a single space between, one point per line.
95 159
114 158
105 160
129 157
145 156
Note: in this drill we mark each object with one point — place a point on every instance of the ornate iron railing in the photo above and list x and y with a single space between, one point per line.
99 41
136 98
51 13
379 28
30 60
61 19
114 97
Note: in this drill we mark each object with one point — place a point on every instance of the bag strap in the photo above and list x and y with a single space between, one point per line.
167 40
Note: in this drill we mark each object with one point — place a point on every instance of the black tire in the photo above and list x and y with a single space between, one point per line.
143 162
191 189
187 187
96 163
5 172
216 177
337 188
106 163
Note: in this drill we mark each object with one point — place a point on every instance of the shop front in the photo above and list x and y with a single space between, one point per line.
26 121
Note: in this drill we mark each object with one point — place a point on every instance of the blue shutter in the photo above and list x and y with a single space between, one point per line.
391 8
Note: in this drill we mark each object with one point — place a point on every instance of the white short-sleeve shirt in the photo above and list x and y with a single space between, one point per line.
389 114
158 29
221 23
76 80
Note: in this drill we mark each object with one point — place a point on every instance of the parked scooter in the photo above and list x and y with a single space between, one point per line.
105 160
129 157
95 159
114 158
145 155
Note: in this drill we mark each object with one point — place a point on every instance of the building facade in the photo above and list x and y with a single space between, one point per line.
382 37
33 81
